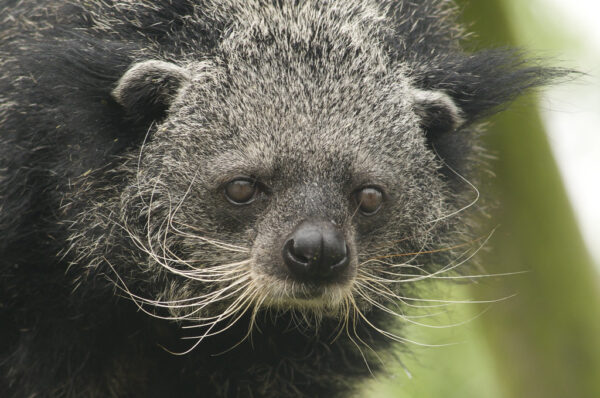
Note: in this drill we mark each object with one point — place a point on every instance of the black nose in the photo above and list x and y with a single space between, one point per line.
316 250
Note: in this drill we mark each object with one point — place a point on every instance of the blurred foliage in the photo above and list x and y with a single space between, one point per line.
545 342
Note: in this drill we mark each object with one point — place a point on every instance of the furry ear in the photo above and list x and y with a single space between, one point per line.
147 89
438 112
440 119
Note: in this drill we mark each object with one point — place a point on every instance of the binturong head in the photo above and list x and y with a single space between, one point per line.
285 173
278 187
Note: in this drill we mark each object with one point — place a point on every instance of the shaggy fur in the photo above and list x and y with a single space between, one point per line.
121 122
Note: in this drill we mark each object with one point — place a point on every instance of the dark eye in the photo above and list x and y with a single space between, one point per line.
369 200
241 191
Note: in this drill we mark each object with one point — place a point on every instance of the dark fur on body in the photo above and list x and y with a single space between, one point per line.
111 201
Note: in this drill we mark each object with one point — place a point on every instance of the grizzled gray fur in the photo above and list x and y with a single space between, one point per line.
260 186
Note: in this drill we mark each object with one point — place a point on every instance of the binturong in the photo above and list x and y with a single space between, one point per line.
233 198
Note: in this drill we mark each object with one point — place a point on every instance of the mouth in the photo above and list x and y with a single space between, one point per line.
308 292
292 294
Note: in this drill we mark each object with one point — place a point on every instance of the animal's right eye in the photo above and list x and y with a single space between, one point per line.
241 191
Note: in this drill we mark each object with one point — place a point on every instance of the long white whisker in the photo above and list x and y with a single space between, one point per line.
410 320
139 162
472 203
214 242
394 337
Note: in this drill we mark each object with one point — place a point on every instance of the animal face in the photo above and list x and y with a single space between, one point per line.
284 189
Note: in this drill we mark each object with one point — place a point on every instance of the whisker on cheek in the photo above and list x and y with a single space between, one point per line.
217 243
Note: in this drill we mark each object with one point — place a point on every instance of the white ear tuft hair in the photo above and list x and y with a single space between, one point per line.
438 112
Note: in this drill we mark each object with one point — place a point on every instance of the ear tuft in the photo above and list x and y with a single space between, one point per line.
438 112
148 88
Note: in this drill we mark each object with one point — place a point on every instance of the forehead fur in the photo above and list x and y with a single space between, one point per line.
319 89
285 119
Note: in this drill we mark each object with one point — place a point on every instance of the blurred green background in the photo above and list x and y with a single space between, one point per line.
545 341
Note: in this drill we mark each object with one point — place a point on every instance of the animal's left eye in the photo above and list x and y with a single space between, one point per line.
369 200
241 191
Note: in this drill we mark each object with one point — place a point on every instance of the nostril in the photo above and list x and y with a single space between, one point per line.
296 252
334 249
341 260
297 264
